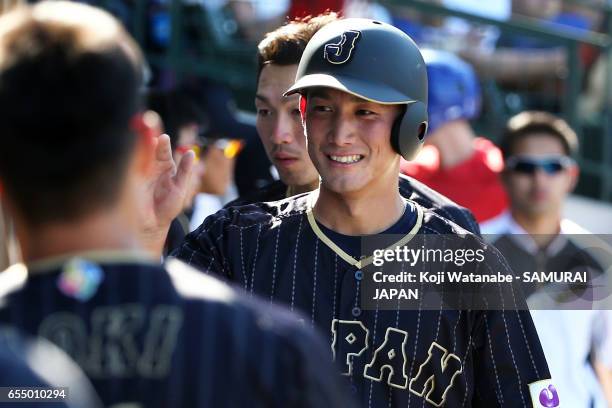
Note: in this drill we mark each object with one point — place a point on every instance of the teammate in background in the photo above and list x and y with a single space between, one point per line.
455 162
146 335
540 172
360 114
280 127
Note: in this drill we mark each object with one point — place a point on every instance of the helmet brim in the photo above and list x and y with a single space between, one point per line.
373 92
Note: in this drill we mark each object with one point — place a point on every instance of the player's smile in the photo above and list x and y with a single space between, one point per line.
344 160
348 140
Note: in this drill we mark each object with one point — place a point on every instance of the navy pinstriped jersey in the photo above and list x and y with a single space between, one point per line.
171 337
16 373
33 362
409 188
393 358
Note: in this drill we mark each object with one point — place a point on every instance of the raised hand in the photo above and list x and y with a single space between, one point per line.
163 192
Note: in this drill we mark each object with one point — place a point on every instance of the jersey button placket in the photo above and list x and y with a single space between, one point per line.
356 311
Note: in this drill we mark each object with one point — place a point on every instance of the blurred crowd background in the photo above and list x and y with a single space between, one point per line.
548 55
529 55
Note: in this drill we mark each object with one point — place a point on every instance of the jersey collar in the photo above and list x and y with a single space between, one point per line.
363 262
110 256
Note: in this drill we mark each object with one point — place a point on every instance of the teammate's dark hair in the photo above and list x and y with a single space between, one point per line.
286 44
70 82
528 123
176 109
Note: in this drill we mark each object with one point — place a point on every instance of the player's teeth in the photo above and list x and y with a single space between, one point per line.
346 159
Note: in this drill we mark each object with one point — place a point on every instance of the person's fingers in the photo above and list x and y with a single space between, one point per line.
185 168
155 143
164 149
152 121
164 157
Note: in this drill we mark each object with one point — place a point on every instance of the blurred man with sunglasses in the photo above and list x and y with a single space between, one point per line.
214 187
540 172
181 120
186 125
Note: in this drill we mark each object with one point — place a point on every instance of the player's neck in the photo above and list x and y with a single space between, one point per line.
455 143
101 231
541 227
359 215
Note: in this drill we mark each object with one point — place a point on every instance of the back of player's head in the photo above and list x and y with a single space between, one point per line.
285 45
373 61
454 91
530 123
70 82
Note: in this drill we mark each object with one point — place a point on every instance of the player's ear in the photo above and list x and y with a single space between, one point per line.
147 127
303 107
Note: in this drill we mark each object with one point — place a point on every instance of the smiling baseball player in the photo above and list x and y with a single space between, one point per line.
281 133
363 88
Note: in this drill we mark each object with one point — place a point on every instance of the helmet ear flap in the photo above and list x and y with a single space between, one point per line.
409 133
302 103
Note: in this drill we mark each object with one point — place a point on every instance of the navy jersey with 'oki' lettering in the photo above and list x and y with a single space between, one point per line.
169 337
393 358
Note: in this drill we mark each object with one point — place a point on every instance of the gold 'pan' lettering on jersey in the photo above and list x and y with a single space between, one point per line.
434 379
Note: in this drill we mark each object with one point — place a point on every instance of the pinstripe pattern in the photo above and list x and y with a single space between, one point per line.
462 335
175 337
408 187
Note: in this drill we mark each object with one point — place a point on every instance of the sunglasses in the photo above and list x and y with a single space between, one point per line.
529 165
195 148
230 147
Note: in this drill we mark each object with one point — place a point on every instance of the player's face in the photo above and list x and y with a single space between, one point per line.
539 191
280 127
349 140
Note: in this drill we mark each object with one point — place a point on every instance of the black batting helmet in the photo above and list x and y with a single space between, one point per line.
374 61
